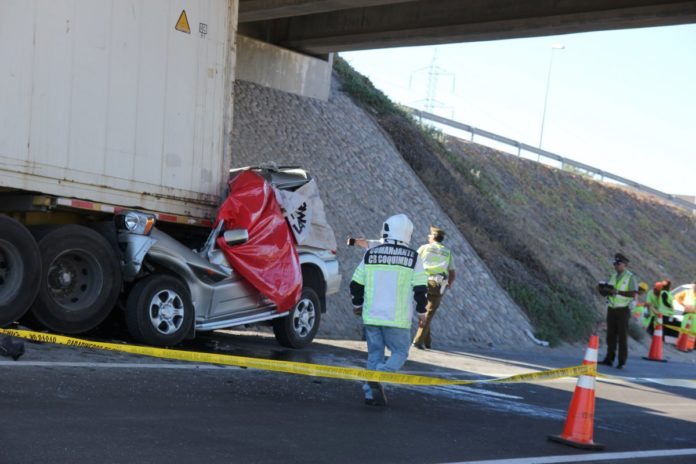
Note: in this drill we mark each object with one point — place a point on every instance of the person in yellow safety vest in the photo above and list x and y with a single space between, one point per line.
659 302
688 300
386 285
618 313
637 306
651 304
437 260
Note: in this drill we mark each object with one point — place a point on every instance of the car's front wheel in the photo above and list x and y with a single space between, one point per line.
298 328
159 311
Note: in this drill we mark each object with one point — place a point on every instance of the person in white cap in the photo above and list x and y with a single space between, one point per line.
386 285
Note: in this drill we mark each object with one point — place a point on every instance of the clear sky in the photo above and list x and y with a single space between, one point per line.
622 101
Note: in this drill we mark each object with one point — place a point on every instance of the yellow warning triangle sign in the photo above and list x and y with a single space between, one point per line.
182 24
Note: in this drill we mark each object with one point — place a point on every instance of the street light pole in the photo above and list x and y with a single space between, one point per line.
546 97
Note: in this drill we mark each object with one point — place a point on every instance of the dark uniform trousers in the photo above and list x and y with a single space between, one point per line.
617 328
434 297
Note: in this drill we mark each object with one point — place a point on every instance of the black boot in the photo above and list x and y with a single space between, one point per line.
379 398
11 349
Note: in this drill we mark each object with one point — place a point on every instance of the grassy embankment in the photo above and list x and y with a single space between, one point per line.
546 234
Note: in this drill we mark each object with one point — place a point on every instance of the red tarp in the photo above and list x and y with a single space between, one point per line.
269 260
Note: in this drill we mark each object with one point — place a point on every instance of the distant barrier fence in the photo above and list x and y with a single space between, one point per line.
547 154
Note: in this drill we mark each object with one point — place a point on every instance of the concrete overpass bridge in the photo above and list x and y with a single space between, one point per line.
283 32
323 26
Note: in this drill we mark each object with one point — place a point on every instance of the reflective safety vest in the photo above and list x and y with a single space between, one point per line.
637 309
665 310
689 300
651 300
389 272
437 259
656 302
621 284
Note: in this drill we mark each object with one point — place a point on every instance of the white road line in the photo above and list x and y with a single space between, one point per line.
457 389
684 383
474 375
589 457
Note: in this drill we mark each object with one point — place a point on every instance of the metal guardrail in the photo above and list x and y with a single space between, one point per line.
547 154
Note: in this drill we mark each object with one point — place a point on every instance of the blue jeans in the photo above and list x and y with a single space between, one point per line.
397 340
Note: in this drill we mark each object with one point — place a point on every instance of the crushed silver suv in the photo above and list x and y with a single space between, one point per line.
177 291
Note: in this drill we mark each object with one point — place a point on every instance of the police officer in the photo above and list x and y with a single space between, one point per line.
437 261
384 287
624 289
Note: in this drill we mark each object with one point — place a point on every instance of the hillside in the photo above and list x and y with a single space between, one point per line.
547 235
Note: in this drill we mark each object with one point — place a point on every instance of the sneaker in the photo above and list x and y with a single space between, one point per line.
606 362
420 346
367 392
379 398
620 365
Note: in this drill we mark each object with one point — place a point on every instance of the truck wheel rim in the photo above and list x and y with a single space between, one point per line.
304 317
75 279
166 311
11 271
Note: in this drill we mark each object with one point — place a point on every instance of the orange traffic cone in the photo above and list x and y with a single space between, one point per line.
580 420
655 353
685 342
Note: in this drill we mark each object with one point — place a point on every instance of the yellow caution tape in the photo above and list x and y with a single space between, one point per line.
574 371
680 330
314 370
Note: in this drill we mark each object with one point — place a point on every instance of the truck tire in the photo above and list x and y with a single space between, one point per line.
159 310
20 270
80 279
297 329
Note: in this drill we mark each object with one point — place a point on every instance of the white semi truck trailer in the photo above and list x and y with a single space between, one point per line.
115 105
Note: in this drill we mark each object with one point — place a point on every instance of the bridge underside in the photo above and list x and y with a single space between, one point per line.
318 27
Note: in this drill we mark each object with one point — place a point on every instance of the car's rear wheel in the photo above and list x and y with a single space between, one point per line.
20 270
159 311
80 279
298 328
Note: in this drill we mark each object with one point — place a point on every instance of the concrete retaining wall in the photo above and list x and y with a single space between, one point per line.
271 66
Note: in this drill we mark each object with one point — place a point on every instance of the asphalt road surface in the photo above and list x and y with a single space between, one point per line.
71 405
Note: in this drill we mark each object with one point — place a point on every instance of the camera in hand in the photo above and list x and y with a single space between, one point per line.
605 288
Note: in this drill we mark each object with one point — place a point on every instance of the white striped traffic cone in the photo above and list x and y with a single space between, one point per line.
655 353
579 423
